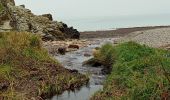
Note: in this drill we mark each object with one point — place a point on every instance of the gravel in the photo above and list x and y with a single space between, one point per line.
153 38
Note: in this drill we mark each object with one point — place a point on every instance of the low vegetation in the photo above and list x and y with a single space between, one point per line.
138 72
28 72
1 8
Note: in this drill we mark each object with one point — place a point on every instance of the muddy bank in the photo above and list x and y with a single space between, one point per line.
116 33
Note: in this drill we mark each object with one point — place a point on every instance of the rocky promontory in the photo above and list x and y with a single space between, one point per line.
22 19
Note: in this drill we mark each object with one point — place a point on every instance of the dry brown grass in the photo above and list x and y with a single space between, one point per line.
28 72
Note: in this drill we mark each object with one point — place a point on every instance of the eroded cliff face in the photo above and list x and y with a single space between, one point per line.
22 19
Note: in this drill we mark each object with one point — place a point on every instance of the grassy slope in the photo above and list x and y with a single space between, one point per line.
138 73
27 71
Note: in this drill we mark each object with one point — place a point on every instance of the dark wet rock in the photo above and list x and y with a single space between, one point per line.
62 50
73 71
23 6
87 54
73 46
70 32
92 62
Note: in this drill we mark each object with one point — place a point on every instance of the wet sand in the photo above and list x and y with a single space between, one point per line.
116 33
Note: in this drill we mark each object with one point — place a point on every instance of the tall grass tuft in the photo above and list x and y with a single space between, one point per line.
106 55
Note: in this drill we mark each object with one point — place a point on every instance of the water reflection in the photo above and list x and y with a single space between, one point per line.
83 94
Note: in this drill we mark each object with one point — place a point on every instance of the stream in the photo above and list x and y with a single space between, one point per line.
74 60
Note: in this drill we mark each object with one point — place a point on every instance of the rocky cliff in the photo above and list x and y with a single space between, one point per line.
22 19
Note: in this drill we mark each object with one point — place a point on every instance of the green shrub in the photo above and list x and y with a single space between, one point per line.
106 55
138 73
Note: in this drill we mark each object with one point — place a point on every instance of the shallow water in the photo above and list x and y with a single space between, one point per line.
74 60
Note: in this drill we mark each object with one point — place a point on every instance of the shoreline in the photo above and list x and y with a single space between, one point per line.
119 32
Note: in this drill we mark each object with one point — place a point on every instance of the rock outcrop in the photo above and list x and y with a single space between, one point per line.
22 19
49 16
3 14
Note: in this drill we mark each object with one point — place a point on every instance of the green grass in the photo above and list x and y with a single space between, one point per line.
106 55
1 7
138 73
27 70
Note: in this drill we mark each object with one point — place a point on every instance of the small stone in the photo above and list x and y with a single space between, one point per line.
87 54
62 50
73 46
73 71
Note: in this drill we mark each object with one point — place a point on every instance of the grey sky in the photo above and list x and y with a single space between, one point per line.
73 9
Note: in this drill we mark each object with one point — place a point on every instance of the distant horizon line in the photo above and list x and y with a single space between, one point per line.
126 28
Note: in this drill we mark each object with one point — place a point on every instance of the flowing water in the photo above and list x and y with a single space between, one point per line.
74 60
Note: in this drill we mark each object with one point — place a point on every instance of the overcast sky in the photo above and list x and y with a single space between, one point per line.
73 9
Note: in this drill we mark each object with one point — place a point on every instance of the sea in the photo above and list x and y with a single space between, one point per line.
111 23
